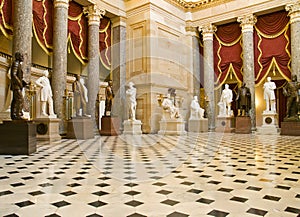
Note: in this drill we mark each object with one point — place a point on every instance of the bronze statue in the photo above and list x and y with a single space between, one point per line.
243 99
80 96
17 84
109 95
290 90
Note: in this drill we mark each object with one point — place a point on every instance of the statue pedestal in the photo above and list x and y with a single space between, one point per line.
47 129
5 116
243 124
225 124
270 124
290 128
132 127
110 126
80 128
198 125
17 137
172 127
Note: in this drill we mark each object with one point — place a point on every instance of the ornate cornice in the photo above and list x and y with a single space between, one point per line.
294 11
200 4
94 14
247 22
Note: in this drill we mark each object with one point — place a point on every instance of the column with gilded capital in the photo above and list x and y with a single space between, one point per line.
208 33
294 13
23 33
94 14
247 23
59 74
118 65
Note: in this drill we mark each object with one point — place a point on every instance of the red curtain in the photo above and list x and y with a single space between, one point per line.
227 53
272 46
77 31
43 23
6 18
105 42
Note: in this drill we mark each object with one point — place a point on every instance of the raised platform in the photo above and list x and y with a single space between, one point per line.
17 137
47 129
198 125
110 126
270 124
225 124
172 127
80 128
132 127
290 128
243 124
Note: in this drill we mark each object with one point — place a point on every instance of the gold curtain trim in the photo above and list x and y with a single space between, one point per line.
75 18
46 27
38 40
106 50
81 42
73 49
274 35
228 44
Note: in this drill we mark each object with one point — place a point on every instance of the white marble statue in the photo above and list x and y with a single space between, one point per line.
225 102
46 94
269 95
196 111
131 100
168 105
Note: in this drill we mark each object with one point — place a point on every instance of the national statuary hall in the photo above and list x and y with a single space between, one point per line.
149 108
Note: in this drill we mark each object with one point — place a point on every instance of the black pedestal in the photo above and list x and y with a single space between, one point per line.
17 137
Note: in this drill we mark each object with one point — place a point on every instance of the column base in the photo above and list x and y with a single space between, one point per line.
80 128
110 126
17 137
198 125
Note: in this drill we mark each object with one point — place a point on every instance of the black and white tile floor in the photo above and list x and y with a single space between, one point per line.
151 175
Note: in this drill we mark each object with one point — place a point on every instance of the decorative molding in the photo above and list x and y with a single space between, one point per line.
208 31
247 22
294 11
94 14
200 4
61 4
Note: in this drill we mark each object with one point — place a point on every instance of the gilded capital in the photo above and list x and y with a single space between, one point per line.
294 11
61 4
247 22
208 31
94 14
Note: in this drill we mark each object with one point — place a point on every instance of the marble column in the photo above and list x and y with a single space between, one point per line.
207 32
294 13
94 14
59 74
118 66
247 23
23 33
192 32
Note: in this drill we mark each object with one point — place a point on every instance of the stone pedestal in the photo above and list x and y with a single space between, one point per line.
17 137
225 124
270 124
243 124
132 127
47 129
110 126
290 128
172 127
198 125
4 116
80 128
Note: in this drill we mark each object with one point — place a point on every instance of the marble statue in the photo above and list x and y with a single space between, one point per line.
17 84
168 105
196 111
46 94
269 95
80 96
225 102
109 95
131 100
291 91
243 99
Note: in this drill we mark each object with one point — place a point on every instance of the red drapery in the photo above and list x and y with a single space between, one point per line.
43 23
227 53
6 18
105 42
77 31
272 46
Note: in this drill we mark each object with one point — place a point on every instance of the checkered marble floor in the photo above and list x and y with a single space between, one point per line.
206 174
